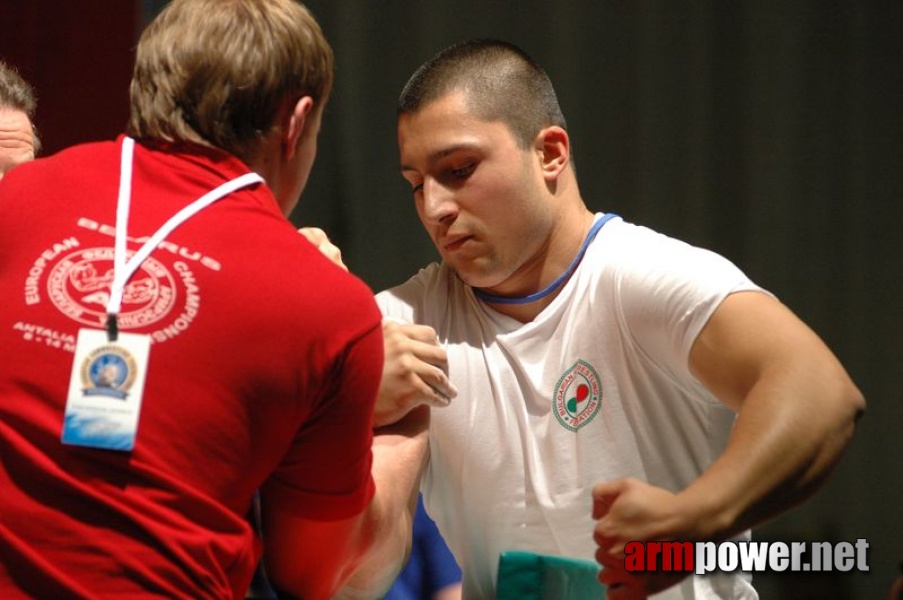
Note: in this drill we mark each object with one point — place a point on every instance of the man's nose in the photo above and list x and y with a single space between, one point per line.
438 202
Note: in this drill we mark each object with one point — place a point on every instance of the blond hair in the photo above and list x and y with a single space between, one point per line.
217 72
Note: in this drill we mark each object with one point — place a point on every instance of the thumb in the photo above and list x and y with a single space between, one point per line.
604 495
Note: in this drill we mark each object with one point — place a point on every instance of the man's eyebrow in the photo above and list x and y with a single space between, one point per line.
442 153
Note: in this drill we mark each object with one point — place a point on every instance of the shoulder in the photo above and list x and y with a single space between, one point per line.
637 256
322 282
433 283
272 270
638 244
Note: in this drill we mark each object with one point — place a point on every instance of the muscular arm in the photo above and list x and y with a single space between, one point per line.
400 452
363 555
313 559
797 410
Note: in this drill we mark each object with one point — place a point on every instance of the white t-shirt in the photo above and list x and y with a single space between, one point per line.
597 387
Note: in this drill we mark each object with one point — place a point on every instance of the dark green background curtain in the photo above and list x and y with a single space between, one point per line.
768 131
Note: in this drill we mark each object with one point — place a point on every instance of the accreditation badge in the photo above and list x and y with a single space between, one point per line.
105 390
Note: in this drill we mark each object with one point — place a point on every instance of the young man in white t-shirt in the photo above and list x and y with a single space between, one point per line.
614 384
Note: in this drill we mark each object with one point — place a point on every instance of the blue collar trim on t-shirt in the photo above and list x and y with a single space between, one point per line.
486 297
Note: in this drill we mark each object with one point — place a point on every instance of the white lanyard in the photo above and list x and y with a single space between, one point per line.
122 270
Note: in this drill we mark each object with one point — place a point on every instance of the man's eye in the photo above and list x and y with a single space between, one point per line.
464 171
417 188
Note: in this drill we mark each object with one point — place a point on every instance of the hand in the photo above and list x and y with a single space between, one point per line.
318 238
415 372
629 510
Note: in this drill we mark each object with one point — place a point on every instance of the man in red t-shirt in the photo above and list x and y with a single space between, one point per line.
169 344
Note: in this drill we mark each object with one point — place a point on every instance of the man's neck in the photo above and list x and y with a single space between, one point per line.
563 249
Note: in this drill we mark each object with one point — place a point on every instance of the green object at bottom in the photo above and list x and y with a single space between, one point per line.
530 576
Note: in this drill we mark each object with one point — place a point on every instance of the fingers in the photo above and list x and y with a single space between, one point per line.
428 393
314 235
611 549
415 371
425 359
625 510
421 333
604 495
441 389
607 532
318 238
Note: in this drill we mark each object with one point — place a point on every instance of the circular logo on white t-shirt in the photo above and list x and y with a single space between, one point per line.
578 396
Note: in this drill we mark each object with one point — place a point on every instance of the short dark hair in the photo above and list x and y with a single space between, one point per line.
17 94
500 82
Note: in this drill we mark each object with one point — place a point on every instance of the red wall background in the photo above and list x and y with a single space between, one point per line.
78 55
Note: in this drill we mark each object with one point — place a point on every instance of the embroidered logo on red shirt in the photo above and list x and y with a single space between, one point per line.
161 299
79 287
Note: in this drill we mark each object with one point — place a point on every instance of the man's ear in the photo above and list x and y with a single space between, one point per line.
554 149
295 120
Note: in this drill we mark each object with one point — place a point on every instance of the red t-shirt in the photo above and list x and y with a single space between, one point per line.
264 365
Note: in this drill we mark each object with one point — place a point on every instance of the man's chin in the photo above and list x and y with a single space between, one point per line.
475 273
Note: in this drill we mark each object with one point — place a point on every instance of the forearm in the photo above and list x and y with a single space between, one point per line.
400 452
797 410
787 439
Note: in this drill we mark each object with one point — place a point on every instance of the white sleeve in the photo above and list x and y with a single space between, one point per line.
405 302
667 290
